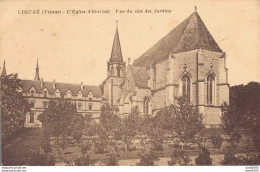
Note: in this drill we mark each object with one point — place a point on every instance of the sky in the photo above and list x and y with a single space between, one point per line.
75 48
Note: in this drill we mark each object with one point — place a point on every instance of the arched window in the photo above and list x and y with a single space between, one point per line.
146 106
210 89
186 87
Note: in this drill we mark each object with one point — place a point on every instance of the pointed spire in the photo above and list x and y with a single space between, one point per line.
4 70
116 55
37 75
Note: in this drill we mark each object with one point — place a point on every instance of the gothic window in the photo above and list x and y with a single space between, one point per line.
186 87
146 106
210 89
31 117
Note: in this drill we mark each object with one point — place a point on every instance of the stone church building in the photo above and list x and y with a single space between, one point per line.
186 62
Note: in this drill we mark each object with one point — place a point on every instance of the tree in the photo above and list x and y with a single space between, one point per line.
245 109
147 158
13 106
179 156
109 117
217 140
61 121
85 159
187 121
154 129
129 127
203 157
229 124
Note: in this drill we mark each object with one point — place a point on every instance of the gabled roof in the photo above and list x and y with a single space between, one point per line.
62 87
189 35
116 55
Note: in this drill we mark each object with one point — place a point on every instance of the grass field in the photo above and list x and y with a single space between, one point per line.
19 151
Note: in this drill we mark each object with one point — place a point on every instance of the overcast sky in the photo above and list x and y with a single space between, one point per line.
75 48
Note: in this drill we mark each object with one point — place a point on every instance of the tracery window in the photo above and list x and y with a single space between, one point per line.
210 89
186 87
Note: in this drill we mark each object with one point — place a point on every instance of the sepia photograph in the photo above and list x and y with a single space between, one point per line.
130 83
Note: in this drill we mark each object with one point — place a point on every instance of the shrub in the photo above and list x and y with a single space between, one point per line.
179 156
112 159
247 159
230 158
147 158
101 144
217 140
38 159
203 157
157 146
84 161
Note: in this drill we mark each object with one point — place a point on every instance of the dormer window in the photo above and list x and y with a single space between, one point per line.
90 96
57 93
68 94
79 94
45 93
32 92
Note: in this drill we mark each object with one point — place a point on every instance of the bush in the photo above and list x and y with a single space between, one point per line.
247 159
84 161
147 158
157 146
100 145
38 159
229 158
112 159
179 156
217 140
203 157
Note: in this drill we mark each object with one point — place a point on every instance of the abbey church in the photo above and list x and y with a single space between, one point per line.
186 62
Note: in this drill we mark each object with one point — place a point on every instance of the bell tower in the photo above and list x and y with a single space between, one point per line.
115 71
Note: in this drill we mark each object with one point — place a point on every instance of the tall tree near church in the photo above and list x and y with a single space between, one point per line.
188 121
61 121
129 127
243 113
13 106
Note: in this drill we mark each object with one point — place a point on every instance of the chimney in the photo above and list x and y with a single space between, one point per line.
41 82
54 84
81 86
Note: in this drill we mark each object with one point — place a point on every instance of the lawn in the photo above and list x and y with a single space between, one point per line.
20 149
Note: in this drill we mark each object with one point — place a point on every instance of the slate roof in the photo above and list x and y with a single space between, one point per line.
141 76
116 55
63 87
189 35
